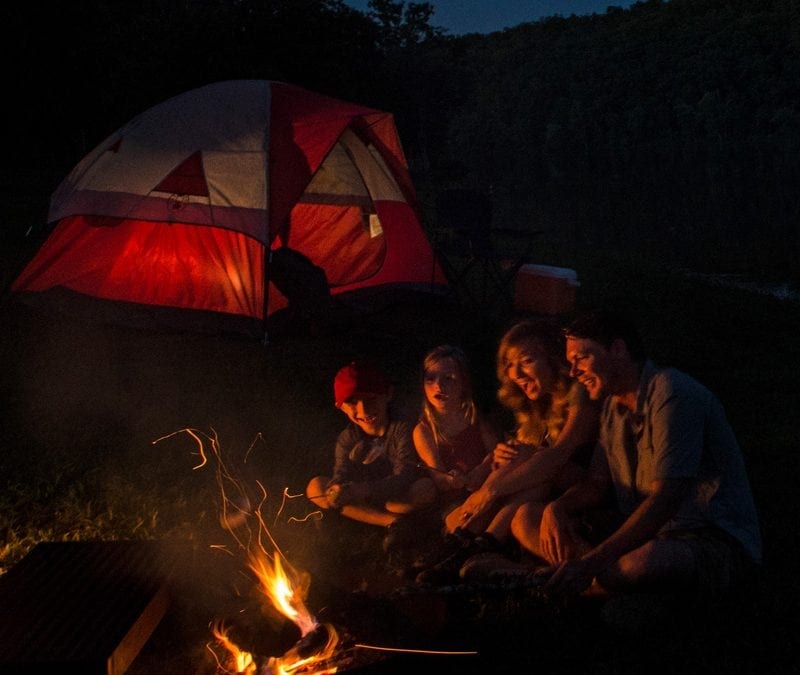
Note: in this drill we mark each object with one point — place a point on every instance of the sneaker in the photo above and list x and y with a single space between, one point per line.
409 530
400 534
436 550
446 570
493 567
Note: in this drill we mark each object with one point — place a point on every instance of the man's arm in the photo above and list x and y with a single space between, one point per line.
666 497
559 538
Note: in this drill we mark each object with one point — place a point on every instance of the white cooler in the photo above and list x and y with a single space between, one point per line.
542 289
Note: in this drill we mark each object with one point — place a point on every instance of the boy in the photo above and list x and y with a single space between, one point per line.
375 479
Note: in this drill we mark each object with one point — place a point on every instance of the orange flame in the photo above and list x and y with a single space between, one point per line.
282 585
286 589
287 595
242 660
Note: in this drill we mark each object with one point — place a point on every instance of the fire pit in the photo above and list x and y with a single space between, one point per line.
85 605
365 616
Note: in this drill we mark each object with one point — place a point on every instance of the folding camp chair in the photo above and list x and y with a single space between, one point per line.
467 249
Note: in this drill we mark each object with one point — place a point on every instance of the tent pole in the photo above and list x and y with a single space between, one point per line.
265 303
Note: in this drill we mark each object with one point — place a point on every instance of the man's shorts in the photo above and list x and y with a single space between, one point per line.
721 562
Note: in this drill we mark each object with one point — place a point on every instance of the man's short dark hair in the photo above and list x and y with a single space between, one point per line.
604 326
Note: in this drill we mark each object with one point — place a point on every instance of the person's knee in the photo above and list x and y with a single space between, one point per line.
525 526
527 517
315 491
315 487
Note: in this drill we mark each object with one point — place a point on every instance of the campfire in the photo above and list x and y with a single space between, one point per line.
322 647
318 641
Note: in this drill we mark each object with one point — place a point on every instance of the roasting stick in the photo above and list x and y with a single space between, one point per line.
416 651
418 465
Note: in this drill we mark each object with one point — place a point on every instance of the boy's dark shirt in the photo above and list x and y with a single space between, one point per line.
391 473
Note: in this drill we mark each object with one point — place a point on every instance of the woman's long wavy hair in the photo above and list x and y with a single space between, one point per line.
540 420
429 414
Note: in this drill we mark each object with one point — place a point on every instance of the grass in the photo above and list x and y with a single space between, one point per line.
82 405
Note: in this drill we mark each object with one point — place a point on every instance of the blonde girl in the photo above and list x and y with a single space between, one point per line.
451 438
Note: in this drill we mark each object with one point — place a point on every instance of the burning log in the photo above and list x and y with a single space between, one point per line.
312 643
321 649
310 654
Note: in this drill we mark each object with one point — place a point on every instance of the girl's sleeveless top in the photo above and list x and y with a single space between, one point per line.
465 451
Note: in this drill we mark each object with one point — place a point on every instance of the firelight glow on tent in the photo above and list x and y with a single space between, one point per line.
178 208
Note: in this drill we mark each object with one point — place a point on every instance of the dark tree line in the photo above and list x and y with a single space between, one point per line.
672 127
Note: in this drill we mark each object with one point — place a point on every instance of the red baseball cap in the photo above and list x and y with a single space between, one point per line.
358 377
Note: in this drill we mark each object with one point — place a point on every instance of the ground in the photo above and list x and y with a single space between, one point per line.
84 404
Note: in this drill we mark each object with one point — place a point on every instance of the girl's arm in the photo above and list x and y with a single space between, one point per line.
544 464
429 454
480 473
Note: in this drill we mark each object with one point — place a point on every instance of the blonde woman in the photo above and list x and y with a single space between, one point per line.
556 426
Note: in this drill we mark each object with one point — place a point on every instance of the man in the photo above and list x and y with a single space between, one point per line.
685 517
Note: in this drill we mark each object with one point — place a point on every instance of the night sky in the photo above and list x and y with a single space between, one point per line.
486 16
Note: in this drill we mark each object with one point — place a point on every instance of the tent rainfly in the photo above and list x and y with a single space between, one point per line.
177 211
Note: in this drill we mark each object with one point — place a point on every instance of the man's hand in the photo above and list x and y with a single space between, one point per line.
558 538
568 578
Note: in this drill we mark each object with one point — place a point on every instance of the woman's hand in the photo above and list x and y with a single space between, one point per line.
474 506
510 451
457 479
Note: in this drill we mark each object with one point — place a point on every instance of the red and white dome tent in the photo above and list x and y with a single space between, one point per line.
178 209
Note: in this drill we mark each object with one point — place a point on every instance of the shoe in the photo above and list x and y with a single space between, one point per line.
446 570
436 550
494 567
407 531
399 535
